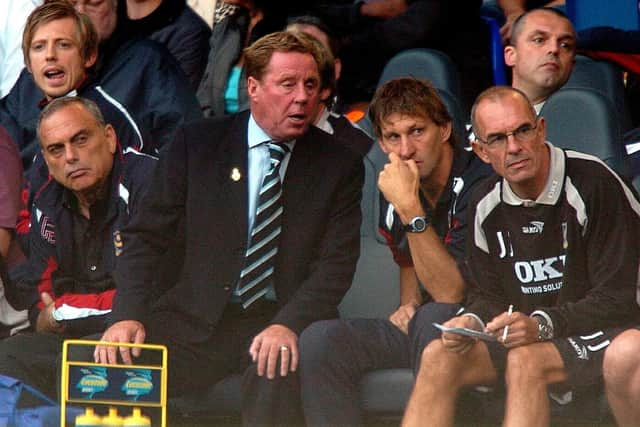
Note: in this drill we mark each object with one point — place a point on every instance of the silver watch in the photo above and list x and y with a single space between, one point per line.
545 329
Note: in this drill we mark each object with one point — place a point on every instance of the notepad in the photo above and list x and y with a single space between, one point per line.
466 332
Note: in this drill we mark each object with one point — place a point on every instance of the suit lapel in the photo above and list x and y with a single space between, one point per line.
299 184
232 173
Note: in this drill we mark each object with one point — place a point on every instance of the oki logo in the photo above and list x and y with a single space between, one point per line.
539 270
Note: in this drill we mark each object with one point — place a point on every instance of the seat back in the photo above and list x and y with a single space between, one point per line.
429 64
496 51
621 14
584 120
605 78
375 288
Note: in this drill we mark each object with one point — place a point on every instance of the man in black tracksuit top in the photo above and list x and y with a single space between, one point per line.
67 284
553 250
424 192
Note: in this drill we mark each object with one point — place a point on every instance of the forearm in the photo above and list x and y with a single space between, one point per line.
435 267
409 292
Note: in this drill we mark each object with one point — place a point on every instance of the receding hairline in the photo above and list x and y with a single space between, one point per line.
497 95
521 21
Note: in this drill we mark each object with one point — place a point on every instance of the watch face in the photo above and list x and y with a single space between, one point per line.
419 224
545 332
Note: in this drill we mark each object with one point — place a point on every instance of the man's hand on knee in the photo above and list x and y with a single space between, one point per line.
129 331
457 343
402 316
276 342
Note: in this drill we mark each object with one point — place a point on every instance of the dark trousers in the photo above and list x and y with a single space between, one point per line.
196 366
336 354
35 359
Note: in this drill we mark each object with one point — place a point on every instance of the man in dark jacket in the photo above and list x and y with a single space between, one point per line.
74 238
139 74
272 219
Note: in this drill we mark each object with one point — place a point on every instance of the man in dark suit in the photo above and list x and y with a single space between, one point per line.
208 190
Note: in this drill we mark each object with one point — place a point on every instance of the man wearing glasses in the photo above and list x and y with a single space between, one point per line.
555 236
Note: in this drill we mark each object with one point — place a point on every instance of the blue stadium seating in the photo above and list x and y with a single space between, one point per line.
621 14
584 120
605 78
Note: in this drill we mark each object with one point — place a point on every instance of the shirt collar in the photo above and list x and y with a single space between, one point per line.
551 192
257 136
323 123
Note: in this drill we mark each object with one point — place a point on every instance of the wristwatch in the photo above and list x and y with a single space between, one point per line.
545 329
418 224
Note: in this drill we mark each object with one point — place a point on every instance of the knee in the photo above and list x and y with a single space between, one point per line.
430 313
622 359
319 341
524 365
436 360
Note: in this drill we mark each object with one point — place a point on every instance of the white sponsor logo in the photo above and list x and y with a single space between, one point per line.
534 227
539 270
581 351
541 289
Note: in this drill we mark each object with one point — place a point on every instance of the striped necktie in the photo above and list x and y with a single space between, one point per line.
257 274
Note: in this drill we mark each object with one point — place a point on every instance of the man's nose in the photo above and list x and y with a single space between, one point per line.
513 145
70 153
50 51
303 92
407 149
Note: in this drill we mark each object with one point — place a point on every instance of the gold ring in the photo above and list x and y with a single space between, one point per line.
284 348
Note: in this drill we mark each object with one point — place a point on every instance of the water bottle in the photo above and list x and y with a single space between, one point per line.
88 419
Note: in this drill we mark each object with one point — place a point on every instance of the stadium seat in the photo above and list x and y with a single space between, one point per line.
496 51
429 64
605 78
584 120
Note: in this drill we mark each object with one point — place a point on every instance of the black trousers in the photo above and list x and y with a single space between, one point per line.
336 354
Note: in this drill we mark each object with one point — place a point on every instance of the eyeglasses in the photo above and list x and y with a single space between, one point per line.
524 133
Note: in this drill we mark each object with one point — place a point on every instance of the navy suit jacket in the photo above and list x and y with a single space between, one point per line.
197 201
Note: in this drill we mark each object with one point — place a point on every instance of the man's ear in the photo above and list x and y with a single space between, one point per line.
91 60
479 148
445 132
252 86
510 55
337 66
112 139
542 124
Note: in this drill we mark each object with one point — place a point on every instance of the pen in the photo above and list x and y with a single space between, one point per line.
506 328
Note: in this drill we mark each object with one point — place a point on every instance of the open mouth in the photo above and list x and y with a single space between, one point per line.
298 118
54 75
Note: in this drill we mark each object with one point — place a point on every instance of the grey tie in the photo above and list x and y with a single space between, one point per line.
263 242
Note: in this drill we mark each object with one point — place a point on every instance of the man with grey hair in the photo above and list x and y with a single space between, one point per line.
67 284
553 237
